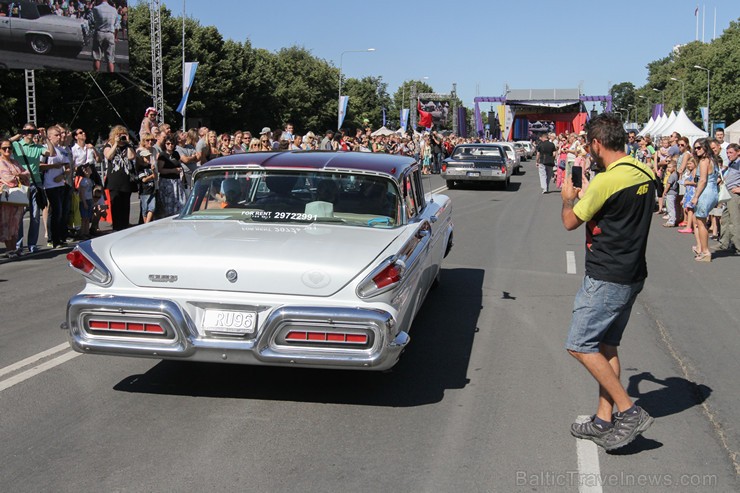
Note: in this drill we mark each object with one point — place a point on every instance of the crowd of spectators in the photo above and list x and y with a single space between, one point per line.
74 184
693 175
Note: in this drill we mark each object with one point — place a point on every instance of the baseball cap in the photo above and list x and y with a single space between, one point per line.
151 109
265 130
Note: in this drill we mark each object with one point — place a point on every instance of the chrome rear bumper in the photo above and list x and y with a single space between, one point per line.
181 340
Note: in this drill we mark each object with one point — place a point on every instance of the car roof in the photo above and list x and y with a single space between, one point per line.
394 166
482 144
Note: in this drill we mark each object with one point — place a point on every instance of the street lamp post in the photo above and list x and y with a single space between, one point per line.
629 108
683 92
662 96
647 117
339 99
702 68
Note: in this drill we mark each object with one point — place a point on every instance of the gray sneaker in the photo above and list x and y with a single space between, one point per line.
626 428
589 431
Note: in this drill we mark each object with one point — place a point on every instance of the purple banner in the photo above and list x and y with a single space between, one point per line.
657 111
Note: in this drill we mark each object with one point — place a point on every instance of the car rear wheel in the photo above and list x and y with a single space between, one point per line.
41 45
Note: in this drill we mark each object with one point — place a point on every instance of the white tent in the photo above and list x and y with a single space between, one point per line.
686 127
658 123
732 133
382 131
647 126
663 129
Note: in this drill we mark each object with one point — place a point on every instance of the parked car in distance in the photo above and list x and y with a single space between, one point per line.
528 148
303 259
478 163
513 155
36 26
520 150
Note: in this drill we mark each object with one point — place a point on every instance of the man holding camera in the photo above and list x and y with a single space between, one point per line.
28 154
617 208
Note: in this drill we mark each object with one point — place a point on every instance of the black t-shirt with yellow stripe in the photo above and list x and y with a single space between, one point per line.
617 209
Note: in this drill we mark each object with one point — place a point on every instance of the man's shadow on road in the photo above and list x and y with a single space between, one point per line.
676 395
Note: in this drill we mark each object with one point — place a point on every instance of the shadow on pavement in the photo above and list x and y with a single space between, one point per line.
639 444
436 359
676 394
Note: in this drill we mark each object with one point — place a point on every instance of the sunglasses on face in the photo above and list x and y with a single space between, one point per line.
5 148
697 148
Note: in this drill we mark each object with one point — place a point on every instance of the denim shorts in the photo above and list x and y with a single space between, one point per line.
148 203
600 314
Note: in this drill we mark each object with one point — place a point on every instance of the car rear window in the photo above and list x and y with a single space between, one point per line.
467 152
294 196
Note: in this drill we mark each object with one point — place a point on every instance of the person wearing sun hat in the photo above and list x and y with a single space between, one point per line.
149 121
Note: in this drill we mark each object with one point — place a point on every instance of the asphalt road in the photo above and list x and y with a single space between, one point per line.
482 399
20 57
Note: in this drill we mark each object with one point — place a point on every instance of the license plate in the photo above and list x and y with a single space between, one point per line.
236 322
473 173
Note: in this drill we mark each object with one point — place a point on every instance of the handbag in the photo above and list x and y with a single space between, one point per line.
41 200
15 195
724 194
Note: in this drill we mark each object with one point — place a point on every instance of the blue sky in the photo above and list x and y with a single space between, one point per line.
479 45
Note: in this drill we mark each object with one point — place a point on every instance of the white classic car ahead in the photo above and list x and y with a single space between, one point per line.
311 259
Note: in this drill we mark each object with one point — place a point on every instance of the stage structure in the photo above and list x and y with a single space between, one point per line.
519 107
156 47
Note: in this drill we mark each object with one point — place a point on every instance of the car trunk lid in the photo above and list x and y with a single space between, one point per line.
292 259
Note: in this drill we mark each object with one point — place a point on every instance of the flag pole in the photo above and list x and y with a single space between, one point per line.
183 63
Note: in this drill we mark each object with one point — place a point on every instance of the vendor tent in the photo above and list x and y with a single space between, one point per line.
663 129
732 133
647 126
382 131
686 128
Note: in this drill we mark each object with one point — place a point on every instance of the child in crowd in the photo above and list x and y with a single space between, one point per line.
99 208
689 181
670 194
85 192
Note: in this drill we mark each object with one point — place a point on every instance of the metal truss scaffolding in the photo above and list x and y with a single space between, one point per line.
157 79
31 96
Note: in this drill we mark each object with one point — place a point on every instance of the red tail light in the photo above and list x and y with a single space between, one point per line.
87 264
124 326
387 276
444 166
503 169
333 337
80 262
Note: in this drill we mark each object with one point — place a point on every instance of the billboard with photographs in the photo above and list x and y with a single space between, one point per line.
80 35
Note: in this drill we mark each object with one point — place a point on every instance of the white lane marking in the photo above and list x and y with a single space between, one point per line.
570 262
440 189
589 471
32 372
33 359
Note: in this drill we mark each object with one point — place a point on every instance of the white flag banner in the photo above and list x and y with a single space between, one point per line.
188 77
342 109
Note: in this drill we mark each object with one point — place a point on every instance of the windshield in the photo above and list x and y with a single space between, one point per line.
472 151
294 196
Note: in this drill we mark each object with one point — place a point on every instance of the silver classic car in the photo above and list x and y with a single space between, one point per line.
479 163
33 24
310 259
